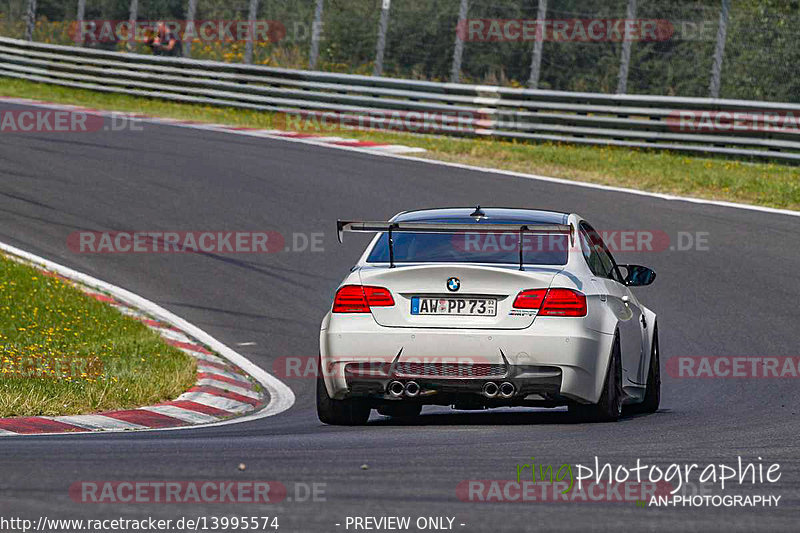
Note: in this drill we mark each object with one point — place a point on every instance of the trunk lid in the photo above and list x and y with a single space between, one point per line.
481 282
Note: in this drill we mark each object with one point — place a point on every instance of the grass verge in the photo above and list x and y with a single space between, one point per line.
62 352
767 184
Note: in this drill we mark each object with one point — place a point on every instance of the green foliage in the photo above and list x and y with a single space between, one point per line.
761 49
62 352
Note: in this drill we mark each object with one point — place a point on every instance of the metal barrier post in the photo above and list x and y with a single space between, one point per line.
719 50
252 14
316 28
536 57
625 60
79 18
458 51
30 20
191 12
382 28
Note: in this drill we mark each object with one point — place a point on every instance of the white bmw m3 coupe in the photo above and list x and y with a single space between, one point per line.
477 308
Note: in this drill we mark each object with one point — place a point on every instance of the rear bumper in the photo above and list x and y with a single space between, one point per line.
555 357
538 385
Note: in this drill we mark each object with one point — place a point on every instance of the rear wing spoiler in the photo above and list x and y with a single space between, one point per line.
343 226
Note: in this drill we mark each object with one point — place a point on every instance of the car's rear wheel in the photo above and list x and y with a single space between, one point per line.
400 410
652 396
609 407
347 412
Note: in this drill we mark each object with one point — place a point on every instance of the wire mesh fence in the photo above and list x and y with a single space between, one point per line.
744 49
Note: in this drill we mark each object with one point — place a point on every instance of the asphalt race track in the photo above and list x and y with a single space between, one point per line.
739 298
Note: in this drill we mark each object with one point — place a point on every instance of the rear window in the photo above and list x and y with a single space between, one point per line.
497 248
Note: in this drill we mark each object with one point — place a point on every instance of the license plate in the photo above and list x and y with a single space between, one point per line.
421 305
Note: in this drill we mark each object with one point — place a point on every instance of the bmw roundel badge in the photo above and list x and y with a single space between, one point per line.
453 284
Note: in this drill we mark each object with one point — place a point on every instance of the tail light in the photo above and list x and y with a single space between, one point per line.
552 302
530 299
359 299
564 302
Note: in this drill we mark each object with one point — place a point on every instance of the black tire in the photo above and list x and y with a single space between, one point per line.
348 412
400 410
652 395
609 407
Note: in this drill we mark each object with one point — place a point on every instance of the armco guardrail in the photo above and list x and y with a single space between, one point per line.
731 127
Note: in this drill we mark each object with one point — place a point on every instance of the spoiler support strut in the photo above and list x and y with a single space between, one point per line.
391 246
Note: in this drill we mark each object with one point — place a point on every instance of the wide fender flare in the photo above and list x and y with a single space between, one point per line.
650 319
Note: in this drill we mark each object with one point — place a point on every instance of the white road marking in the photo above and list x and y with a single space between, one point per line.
125 310
205 369
224 385
286 136
171 334
187 415
219 402
95 422
393 149
330 139
549 179
204 356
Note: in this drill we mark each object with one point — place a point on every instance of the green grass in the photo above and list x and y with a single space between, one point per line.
62 352
761 183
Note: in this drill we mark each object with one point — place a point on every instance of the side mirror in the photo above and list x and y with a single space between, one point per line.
638 276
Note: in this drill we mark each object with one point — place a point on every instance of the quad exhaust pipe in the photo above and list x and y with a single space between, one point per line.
493 390
412 389
507 390
397 389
